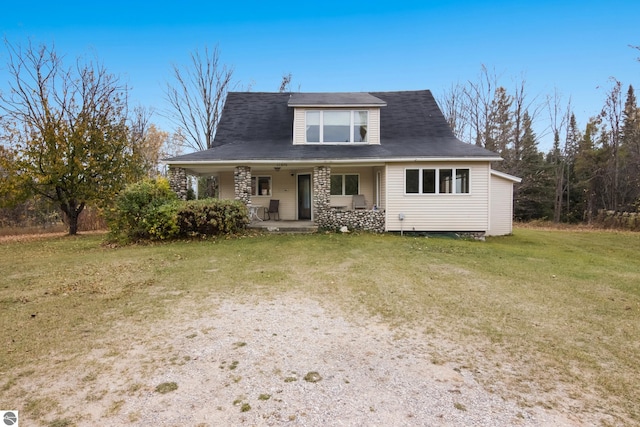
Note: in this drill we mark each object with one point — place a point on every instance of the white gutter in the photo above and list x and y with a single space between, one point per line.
283 162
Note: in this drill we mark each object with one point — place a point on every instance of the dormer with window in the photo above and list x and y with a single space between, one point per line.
336 118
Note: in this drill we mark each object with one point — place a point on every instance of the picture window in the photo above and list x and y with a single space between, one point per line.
337 126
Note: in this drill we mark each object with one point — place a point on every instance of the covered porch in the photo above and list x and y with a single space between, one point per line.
329 196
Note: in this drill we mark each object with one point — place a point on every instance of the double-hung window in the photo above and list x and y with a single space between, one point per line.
345 185
261 186
437 181
337 126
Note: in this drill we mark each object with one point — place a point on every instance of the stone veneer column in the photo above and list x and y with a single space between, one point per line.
321 193
242 180
178 181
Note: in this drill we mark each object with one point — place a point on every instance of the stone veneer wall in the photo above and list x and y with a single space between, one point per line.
354 220
178 181
242 181
333 219
321 193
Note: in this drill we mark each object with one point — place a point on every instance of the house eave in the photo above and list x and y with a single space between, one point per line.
506 176
347 105
319 161
334 100
326 161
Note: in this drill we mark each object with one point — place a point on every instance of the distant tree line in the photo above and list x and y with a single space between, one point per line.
586 170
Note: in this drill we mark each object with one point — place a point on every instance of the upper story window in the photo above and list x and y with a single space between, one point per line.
337 126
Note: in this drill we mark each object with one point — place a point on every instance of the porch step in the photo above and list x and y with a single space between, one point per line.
284 226
301 230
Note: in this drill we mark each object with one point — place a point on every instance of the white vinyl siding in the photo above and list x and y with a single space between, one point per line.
283 189
226 186
299 126
438 212
501 206
374 126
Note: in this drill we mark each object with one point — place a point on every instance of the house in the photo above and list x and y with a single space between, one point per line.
321 154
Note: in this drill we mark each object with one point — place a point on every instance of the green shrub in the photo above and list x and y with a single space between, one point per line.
163 221
211 217
143 211
150 210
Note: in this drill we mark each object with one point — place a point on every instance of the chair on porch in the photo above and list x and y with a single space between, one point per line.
273 209
358 202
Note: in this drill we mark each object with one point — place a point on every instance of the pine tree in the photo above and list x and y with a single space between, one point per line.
500 126
556 159
571 148
630 152
531 196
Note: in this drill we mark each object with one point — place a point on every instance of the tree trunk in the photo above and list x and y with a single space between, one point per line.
212 187
72 212
557 209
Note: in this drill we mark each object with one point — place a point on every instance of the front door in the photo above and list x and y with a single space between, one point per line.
304 196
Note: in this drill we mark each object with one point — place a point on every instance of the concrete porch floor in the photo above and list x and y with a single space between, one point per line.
284 226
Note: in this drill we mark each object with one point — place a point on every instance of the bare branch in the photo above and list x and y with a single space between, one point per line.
285 83
197 97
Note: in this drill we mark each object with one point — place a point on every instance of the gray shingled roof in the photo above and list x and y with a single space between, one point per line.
259 126
300 99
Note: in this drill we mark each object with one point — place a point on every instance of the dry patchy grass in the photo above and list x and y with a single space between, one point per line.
537 315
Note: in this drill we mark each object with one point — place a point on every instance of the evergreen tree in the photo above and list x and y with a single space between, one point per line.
630 153
531 196
584 177
557 164
500 125
572 146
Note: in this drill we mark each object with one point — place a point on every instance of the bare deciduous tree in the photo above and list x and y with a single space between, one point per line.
453 106
197 96
285 83
558 122
522 106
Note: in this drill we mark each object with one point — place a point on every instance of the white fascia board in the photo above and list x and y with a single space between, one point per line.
283 162
327 106
506 176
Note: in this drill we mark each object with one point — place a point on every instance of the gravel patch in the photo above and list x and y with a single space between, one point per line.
246 363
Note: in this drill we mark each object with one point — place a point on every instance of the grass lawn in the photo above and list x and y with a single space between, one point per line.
536 315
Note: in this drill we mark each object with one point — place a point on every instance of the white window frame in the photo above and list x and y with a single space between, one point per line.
454 185
254 188
344 183
352 127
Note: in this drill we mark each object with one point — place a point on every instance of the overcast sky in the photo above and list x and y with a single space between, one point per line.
572 46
